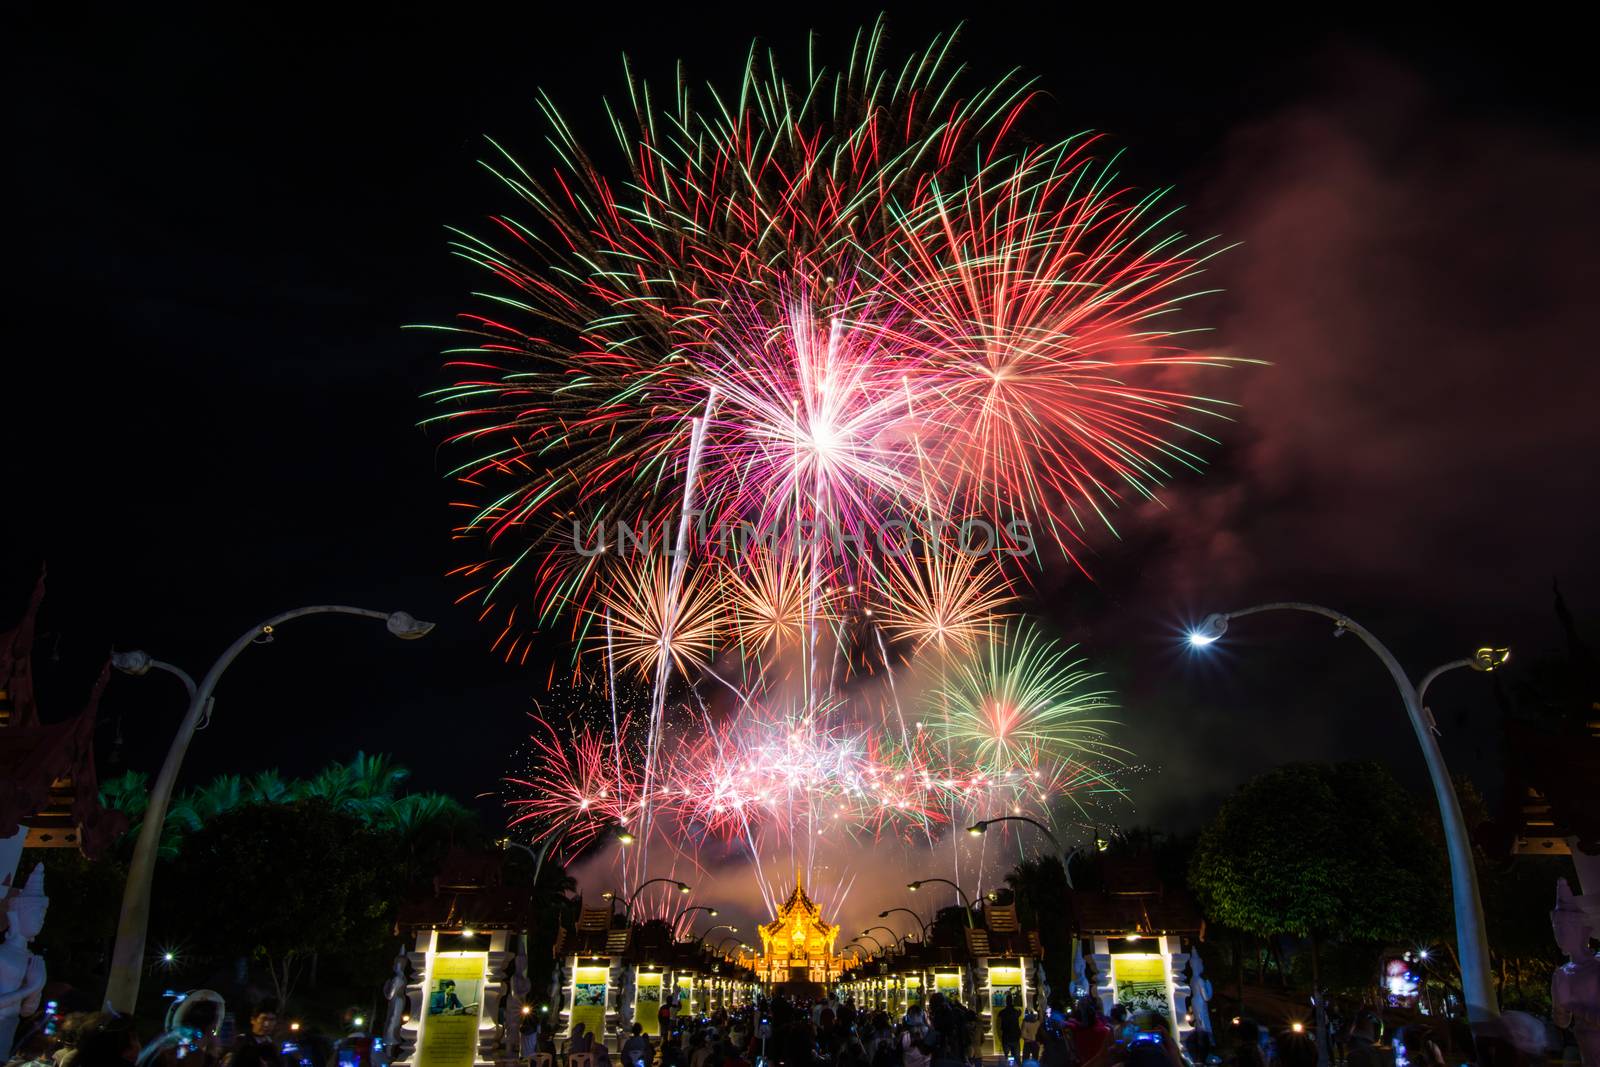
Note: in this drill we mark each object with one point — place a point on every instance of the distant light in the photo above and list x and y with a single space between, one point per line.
468 933
359 1020
1298 1027
1423 954
1133 936
168 957
294 1026
527 1009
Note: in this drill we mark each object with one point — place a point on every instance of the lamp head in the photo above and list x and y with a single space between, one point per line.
683 887
136 663
407 627
1210 630
1490 659
977 828
913 886
608 895
711 912
624 836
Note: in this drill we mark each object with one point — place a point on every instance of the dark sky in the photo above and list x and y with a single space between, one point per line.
219 225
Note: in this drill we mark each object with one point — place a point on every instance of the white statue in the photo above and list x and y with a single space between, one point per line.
21 972
395 990
1575 986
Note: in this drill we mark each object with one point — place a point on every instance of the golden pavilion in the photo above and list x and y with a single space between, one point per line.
797 946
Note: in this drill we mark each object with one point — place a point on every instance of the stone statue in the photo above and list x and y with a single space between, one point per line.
21 972
517 997
395 990
1575 986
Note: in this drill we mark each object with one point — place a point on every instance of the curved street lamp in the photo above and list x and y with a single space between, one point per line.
133 924
627 904
920 882
978 829
869 937
1477 986
922 925
678 918
894 938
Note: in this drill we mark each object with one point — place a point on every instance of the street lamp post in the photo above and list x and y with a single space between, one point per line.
920 882
1476 984
876 943
977 829
678 918
713 929
127 957
894 938
627 905
923 925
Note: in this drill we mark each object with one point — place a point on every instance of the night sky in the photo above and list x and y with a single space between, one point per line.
219 227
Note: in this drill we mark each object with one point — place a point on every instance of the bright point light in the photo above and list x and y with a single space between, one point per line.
168 957
1200 640
358 1021
1298 1027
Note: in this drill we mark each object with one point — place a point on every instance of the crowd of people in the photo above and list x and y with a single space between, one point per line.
780 1032
835 1032
192 1037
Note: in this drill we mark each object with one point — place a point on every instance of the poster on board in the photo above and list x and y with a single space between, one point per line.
589 999
451 1010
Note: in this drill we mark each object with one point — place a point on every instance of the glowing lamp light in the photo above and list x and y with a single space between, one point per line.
527 1009
1490 659
1209 631
682 887
977 829
1134 936
358 1021
469 933
294 1026
167 957
1298 1027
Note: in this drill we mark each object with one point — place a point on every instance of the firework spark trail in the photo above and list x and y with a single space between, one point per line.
663 675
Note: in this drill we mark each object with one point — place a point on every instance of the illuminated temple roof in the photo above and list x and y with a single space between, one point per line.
799 908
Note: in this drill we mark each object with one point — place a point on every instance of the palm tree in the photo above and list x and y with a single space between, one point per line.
271 787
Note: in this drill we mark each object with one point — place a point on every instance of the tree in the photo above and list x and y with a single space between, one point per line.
1318 850
281 882
1040 890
